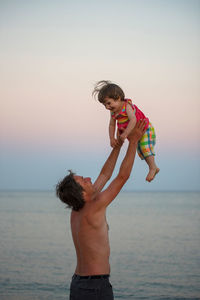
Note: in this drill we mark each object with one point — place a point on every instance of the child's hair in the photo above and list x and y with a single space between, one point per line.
106 88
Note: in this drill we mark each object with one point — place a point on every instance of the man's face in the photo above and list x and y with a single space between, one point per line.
86 183
112 104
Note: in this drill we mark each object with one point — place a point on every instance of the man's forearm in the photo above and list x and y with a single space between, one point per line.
110 163
107 170
127 163
130 127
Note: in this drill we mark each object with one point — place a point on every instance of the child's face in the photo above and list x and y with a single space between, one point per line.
113 105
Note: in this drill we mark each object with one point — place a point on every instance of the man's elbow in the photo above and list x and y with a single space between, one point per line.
106 176
123 177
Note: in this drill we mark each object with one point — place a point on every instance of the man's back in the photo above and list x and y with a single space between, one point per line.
90 236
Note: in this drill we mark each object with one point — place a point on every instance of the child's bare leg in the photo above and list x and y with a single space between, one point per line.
153 169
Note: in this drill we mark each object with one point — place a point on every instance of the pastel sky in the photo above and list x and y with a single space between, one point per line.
53 52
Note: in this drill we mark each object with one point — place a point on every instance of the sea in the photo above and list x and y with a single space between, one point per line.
154 240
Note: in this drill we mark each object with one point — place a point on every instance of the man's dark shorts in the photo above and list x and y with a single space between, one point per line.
95 287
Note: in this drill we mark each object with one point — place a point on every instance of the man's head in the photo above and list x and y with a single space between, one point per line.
70 191
106 89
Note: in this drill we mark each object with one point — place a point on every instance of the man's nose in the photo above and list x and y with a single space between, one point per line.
88 178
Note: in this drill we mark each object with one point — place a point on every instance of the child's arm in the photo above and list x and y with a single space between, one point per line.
112 125
131 124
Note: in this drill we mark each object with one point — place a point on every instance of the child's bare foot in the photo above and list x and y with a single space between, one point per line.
152 173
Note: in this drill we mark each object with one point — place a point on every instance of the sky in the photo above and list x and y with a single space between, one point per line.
51 55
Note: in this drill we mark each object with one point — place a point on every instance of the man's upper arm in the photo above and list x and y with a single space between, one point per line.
100 182
109 194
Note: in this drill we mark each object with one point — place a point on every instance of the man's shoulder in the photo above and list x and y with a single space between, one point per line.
96 204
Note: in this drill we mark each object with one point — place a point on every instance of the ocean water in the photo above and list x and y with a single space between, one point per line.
154 239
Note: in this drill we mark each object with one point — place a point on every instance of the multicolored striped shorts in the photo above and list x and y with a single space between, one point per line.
146 145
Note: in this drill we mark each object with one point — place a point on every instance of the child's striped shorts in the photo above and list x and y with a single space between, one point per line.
146 145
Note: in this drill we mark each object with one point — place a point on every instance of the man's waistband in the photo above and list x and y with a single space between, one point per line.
91 276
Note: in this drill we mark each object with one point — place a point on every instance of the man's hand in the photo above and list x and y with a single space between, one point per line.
138 131
113 142
123 136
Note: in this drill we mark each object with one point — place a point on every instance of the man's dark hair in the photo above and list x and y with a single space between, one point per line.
70 192
105 88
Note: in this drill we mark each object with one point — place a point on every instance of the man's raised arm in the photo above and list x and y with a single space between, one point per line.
107 170
126 166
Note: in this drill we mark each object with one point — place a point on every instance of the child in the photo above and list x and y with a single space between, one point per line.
127 114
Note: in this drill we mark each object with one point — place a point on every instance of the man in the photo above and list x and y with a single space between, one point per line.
88 221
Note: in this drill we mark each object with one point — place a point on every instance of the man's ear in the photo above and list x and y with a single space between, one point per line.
84 196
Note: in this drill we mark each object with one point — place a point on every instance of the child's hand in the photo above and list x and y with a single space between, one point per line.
113 143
